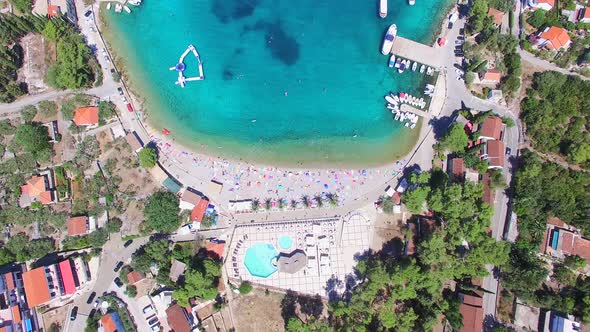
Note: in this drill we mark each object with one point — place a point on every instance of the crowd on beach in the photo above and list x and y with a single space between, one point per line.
245 180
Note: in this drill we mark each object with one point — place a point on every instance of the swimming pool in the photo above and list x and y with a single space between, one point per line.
285 242
259 259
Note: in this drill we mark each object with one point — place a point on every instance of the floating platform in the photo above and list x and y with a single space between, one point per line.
409 49
180 67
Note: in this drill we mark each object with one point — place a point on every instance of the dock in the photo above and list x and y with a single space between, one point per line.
409 49
411 109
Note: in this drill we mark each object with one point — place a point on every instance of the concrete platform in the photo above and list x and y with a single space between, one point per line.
424 54
412 109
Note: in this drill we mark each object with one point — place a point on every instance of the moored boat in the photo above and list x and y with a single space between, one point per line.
118 8
382 8
414 66
422 69
398 62
391 61
389 99
108 6
412 2
127 9
388 39
402 67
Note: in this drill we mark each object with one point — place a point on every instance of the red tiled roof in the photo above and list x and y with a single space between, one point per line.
458 168
556 36
35 186
492 128
16 314
85 116
77 225
67 277
567 242
190 196
9 281
108 324
492 75
53 11
549 2
586 13
133 277
36 287
472 300
199 210
495 153
396 198
488 193
582 248
556 222
472 318
216 248
496 14
177 319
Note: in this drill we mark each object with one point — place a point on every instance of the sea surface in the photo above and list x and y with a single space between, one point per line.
286 82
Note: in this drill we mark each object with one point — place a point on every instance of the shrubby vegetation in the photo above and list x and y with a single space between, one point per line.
161 212
147 157
23 6
95 239
34 139
200 280
555 112
20 248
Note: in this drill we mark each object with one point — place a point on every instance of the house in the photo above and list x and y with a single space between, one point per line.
86 116
495 96
471 309
39 188
240 206
493 152
68 278
456 169
47 283
134 141
189 199
490 76
78 226
497 15
555 323
215 248
176 270
542 4
111 322
134 277
491 128
584 15
179 319
562 240
199 210
553 38
14 313
489 194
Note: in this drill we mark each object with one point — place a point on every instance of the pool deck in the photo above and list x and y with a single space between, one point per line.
424 54
330 245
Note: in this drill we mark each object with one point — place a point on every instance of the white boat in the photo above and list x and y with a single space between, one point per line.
134 2
398 62
414 66
422 69
429 71
388 39
391 61
382 8
413 126
412 2
392 107
108 6
397 115
118 8
389 99
127 9
407 124
402 67
396 98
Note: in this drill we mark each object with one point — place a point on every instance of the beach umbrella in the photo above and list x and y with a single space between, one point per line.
325 186
165 131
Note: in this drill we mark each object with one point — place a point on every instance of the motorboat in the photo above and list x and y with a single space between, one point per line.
127 9
402 67
398 62
397 116
411 2
382 8
388 39
391 61
108 6
407 124
422 69
429 71
413 126
414 66
118 8
389 99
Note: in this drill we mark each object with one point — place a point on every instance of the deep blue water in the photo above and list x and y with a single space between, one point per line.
309 72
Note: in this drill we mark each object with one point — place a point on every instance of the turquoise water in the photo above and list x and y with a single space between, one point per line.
285 242
310 73
259 259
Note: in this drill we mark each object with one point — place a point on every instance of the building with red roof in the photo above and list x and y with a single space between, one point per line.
78 226
36 287
562 240
134 277
583 15
189 199
39 188
456 169
497 15
471 309
53 11
199 210
86 116
493 152
179 319
111 322
491 76
553 38
542 4
68 277
491 128
215 248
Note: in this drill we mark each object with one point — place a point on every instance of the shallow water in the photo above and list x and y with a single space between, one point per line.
286 82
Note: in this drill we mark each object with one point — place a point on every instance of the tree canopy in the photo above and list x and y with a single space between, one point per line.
161 212
34 139
455 139
147 157
200 282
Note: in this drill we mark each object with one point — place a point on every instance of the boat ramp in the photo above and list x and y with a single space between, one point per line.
409 49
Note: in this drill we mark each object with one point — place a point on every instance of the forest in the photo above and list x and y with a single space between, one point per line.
555 112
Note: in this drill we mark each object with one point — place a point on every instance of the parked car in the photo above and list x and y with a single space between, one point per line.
127 243
91 297
96 302
156 328
508 151
120 91
74 313
153 321
118 282
148 309
118 266
88 13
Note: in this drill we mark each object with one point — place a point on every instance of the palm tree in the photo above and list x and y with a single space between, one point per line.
268 203
333 199
293 204
305 201
255 204
281 203
319 200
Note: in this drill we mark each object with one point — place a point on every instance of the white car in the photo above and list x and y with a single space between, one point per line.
148 309
459 72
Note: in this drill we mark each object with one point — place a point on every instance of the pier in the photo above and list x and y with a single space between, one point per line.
409 49
411 109
180 67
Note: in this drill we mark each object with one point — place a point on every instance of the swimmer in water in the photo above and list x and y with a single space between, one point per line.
286 93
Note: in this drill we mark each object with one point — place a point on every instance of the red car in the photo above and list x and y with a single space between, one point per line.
129 108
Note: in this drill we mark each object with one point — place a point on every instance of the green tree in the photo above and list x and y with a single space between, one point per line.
415 199
477 14
161 212
35 140
147 157
106 110
580 153
71 70
131 291
28 113
455 140
200 283
114 225
23 6
245 287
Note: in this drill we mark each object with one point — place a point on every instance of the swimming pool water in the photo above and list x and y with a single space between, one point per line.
285 242
259 259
